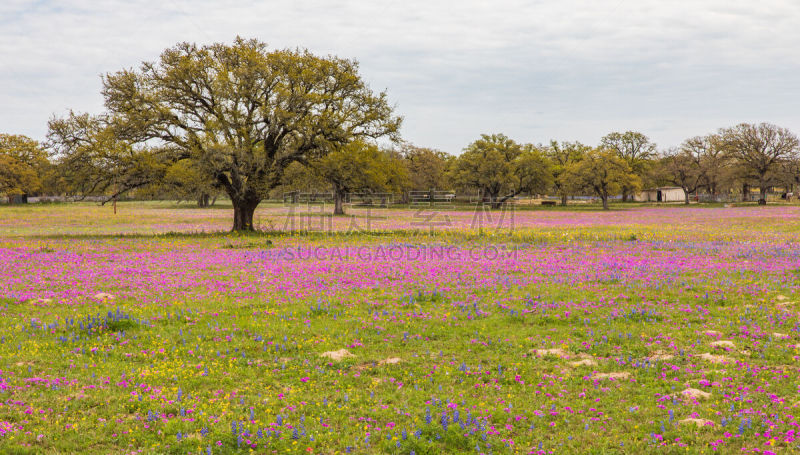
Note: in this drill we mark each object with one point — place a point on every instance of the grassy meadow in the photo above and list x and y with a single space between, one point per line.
640 330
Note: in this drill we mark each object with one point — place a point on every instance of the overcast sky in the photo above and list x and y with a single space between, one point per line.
534 70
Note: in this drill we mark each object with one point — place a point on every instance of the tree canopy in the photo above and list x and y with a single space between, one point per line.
23 164
561 157
427 167
533 170
500 168
602 172
635 149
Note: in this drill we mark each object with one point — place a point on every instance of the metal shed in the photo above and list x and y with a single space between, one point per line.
662 194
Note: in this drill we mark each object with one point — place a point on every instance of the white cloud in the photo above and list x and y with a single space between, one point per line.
570 69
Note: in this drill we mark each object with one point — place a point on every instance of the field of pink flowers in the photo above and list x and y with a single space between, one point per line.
647 330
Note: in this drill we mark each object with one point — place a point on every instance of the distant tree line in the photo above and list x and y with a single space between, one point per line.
250 123
497 168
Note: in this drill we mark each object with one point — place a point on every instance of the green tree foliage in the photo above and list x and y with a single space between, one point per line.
500 168
16 177
243 113
188 181
561 157
635 149
533 170
360 167
299 177
427 168
23 165
602 172
487 165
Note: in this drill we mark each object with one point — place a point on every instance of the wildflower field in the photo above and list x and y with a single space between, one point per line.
640 330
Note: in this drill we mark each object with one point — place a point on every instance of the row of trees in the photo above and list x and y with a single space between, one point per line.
251 122
737 158
744 156
499 168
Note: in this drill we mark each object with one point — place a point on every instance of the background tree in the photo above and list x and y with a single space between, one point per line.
602 172
360 166
299 178
17 178
398 178
760 150
488 165
561 157
682 168
242 112
788 175
23 166
711 160
533 170
635 149
743 179
427 168
186 180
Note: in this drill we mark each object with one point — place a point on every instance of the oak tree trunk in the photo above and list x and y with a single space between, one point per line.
338 203
493 199
202 201
243 210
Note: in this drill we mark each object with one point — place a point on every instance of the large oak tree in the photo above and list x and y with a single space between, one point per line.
240 112
760 150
